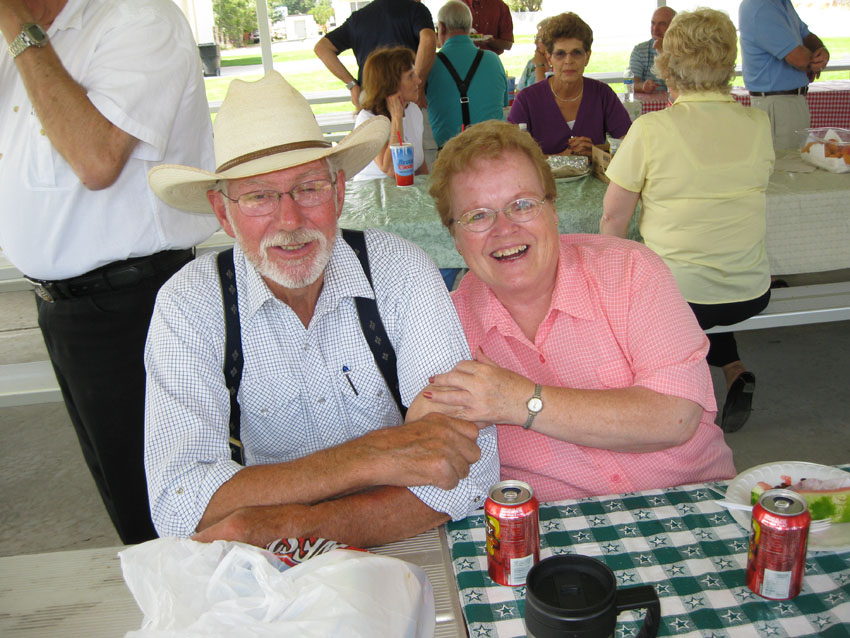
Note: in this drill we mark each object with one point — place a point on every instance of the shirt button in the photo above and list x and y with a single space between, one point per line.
15 108
380 393
476 499
542 359
616 478
42 132
179 490
321 400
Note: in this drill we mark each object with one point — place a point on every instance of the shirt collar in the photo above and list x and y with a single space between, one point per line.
704 96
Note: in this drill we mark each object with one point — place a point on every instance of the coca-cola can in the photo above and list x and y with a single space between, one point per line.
776 558
513 534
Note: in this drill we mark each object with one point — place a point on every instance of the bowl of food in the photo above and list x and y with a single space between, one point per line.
828 148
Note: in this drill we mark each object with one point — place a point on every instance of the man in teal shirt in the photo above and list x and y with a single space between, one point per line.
487 89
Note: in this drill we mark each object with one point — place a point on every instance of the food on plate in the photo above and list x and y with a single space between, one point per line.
828 148
826 498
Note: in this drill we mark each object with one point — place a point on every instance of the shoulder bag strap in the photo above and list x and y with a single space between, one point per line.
233 359
371 324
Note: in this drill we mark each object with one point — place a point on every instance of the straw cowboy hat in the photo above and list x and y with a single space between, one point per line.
262 127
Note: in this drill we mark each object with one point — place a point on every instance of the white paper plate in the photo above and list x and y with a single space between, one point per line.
834 538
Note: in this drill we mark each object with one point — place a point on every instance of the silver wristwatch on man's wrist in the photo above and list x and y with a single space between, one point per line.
31 35
351 85
534 405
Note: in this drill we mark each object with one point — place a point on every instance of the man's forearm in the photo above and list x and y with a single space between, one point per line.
95 148
425 54
327 53
365 519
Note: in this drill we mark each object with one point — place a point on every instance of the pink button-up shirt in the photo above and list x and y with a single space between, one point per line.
616 320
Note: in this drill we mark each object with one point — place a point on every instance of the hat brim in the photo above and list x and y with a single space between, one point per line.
185 187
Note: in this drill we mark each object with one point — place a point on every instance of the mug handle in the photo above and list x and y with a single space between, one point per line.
638 598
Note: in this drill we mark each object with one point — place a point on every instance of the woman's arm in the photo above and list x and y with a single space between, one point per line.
395 106
618 206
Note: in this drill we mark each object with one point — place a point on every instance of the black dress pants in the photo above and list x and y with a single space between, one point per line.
723 348
96 345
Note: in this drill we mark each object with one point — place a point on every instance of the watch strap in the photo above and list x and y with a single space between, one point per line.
24 41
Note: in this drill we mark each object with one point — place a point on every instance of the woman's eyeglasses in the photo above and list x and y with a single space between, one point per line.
520 210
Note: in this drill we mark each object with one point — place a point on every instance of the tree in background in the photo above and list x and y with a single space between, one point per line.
295 7
525 5
322 13
235 18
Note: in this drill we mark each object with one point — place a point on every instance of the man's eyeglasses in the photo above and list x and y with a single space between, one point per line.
265 202
520 210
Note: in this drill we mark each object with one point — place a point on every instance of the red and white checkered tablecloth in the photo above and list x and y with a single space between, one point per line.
829 102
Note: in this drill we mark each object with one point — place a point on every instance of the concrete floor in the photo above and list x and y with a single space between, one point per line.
49 501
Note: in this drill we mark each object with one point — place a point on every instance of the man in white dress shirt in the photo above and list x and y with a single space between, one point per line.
94 93
320 446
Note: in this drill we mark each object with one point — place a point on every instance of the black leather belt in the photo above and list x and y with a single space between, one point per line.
115 276
801 91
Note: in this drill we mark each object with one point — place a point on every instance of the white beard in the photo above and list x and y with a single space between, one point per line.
296 274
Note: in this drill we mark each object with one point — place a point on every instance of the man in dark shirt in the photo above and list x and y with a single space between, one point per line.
380 23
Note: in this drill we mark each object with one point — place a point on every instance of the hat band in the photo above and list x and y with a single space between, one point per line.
274 150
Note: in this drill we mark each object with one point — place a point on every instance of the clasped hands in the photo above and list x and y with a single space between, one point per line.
579 145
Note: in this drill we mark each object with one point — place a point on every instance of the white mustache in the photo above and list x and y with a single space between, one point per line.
299 236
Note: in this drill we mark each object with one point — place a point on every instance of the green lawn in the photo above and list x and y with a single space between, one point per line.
314 77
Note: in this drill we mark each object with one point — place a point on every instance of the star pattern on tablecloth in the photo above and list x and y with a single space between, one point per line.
691 551
458 535
834 597
550 525
731 615
481 630
561 551
785 608
611 548
655 500
628 530
662 588
675 524
717 519
739 545
821 621
476 521
723 563
626 577
710 581
703 534
472 596
843 578
676 570
701 495
810 566
624 631
694 602
679 623
567 510
684 508
712 635
614 505
587 499
644 559
767 630
657 541
504 611
465 563
643 515
744 593
597 521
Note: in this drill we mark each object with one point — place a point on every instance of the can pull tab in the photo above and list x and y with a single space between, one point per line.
782 503
510 493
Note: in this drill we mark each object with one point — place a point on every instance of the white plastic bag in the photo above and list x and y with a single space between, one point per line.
190 589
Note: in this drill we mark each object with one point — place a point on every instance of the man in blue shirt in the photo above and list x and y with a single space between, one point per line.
643 55
780 57
488 88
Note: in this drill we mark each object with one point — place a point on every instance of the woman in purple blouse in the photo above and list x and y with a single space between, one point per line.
568 113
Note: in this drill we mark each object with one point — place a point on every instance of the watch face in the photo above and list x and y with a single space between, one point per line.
35 33
535 405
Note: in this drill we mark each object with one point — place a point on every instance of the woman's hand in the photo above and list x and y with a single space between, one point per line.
480 391
395 106
579 146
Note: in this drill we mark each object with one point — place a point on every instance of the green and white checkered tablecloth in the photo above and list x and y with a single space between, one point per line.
677 539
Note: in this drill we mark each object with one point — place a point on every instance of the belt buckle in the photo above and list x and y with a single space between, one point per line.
41 290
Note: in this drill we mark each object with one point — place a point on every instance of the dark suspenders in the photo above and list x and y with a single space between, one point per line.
462 85
367 312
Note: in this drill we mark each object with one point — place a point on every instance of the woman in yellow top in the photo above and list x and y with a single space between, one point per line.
701 169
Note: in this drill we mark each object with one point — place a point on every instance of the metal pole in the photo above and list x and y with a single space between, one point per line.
265 35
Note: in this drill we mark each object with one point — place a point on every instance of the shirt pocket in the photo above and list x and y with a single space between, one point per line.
45 168
367 399
275 424
614 373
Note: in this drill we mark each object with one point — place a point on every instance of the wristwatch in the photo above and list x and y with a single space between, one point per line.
534 405
351 84
31 35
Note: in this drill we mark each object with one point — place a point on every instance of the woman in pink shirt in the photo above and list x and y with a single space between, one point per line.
586 355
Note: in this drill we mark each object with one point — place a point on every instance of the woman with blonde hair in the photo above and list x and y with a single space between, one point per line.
700 169
390 88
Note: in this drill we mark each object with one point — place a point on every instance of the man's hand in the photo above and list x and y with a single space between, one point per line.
820 59
435 450
258 525
355 96
648 86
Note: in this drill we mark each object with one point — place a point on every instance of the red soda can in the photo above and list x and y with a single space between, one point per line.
513 535
776 558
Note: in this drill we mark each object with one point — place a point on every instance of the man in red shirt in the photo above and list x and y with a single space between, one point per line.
493 18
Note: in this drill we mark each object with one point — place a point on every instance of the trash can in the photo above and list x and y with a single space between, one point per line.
211 58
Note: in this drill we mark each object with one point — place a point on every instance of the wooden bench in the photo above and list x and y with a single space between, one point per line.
799 305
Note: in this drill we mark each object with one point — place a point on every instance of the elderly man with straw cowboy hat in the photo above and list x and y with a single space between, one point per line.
271 409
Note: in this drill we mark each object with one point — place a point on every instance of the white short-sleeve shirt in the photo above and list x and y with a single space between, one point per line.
414 126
